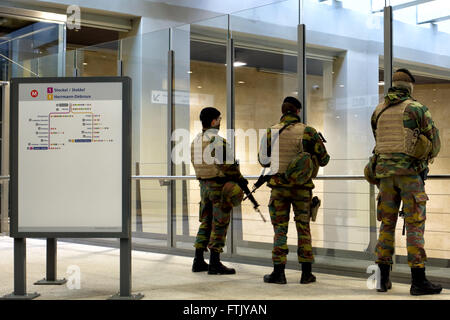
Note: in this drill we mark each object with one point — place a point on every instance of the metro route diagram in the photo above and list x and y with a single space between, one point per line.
57 129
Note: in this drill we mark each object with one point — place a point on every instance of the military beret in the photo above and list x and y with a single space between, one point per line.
293 101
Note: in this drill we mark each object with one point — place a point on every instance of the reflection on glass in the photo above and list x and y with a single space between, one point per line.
32 50
70 63
98 60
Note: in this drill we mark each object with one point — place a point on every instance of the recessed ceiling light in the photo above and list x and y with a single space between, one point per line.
84 63
241 82
199 87
381 83
341 85
189 71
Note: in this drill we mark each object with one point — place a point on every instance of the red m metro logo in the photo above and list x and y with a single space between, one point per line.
34 93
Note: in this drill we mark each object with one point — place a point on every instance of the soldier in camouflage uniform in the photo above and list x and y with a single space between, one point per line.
406 140
295 139
219 192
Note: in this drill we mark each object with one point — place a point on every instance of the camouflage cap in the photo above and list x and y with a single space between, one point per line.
300 169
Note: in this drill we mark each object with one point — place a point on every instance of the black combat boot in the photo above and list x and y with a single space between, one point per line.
307 276
420 284
277 276
385 283
216 267
199 264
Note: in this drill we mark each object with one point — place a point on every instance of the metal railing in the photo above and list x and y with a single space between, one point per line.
165 180
251 177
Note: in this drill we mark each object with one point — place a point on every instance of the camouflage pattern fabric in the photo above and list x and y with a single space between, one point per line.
416 116
410 190
217 200
369 171
279 208
232 196
312 143
300 170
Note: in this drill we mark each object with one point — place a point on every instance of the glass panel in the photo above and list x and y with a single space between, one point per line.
32 51
70 63
200 81
98 60
343 50
149 135
265 40
425 51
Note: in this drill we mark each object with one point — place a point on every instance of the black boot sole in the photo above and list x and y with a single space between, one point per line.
221 269
310 279
267 279
221 272
423 293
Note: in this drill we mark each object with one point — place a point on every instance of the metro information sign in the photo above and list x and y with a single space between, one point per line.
70 157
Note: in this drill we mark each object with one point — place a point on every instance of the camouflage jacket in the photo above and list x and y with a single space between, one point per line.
416 116
312 143
224 157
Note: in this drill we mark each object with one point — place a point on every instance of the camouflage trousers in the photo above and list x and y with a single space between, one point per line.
217 201
411 191
279 208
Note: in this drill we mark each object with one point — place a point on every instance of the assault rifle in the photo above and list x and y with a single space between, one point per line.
242 183
263 178
321 137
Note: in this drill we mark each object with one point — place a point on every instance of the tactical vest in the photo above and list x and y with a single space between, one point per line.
290 144
391 135
202 169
